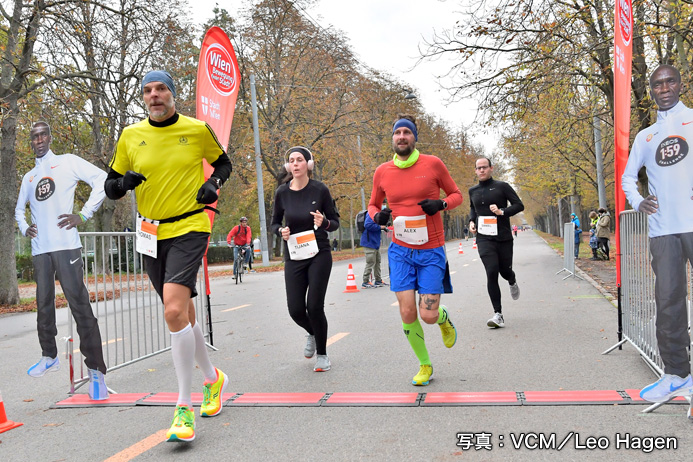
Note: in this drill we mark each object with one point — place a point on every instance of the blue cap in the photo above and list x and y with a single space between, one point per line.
159 76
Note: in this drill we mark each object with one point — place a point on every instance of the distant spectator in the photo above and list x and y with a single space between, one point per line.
370 241
603 231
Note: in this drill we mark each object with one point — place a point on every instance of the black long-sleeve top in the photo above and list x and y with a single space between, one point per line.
293 209
491 191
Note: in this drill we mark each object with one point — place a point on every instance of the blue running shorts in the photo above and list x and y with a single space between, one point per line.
421 270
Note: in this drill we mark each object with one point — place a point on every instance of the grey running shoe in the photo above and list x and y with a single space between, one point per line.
322 364
515 291
309 350
496 321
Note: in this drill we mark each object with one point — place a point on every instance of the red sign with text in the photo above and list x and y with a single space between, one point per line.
218 78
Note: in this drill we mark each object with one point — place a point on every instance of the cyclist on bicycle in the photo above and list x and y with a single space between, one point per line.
242 236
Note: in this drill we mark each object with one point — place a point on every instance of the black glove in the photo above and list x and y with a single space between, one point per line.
431 206
383 216
131 180
208 192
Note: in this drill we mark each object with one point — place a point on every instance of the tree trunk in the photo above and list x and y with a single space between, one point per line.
9 291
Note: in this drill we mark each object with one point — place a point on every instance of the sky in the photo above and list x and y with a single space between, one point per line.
385 35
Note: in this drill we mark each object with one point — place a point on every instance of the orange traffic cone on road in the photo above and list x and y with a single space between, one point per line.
460 251
5 424
474 246
351 281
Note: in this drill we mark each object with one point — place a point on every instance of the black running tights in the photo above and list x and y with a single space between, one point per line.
306 285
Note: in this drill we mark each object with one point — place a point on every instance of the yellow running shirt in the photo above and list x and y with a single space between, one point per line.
170 158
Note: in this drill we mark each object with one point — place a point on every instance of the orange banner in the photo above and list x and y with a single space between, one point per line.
218 80
623 54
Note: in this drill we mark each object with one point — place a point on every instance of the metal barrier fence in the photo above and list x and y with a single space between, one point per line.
129 311
637 310
569 250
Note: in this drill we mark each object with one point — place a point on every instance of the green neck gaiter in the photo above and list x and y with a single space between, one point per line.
413 157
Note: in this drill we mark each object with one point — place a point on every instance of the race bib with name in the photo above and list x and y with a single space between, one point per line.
411 230
302 246
145 243
488 226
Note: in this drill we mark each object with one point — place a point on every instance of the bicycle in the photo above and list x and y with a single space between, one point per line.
238 263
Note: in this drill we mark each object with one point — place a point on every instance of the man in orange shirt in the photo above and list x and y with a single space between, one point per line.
411 182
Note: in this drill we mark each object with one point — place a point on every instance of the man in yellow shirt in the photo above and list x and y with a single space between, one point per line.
161 159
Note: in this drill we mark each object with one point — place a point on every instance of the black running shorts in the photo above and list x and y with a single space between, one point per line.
178 261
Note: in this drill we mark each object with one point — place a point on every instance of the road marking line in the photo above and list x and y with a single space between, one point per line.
452 272
235 308
336 338
139 448
466 264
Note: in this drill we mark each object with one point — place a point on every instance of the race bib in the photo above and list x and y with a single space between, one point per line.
302 246
145 243
488 226
411 230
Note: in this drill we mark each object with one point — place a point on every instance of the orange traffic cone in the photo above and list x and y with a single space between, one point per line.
474 246
460 251
351 281
5 424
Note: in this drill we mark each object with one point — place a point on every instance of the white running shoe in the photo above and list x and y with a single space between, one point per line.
45 364
667 387
97 385
496 321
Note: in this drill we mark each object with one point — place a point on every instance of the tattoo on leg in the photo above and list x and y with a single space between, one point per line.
428 301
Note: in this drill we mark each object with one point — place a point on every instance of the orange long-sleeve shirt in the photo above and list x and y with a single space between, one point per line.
404 188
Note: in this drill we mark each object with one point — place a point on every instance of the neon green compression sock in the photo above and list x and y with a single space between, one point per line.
415 335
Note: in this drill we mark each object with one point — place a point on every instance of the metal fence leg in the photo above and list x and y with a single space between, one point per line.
618 345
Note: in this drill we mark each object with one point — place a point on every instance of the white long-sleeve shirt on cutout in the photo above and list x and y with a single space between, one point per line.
664 150
50 190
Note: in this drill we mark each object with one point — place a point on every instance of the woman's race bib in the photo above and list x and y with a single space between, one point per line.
411 230
145 242
488 226
302 246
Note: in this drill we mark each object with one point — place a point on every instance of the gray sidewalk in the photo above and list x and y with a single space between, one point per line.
552 341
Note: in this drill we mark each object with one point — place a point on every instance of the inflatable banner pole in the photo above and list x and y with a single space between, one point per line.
218 79
623 54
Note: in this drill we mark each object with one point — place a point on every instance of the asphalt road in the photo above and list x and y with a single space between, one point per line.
553 340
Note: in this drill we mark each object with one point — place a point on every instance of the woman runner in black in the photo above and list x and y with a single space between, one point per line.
308 212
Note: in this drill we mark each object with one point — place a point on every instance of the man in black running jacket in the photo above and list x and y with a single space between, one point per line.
490 218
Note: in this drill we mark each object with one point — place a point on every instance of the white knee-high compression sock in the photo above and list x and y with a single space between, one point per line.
201 355
183 350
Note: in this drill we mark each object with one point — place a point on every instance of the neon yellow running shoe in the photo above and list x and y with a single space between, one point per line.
424 375
449 332
212 393
183 425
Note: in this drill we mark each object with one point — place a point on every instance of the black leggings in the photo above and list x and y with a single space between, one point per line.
497 257
308 311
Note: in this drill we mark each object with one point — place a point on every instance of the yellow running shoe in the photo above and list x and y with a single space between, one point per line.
183 425
212 395
424 375
449 332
